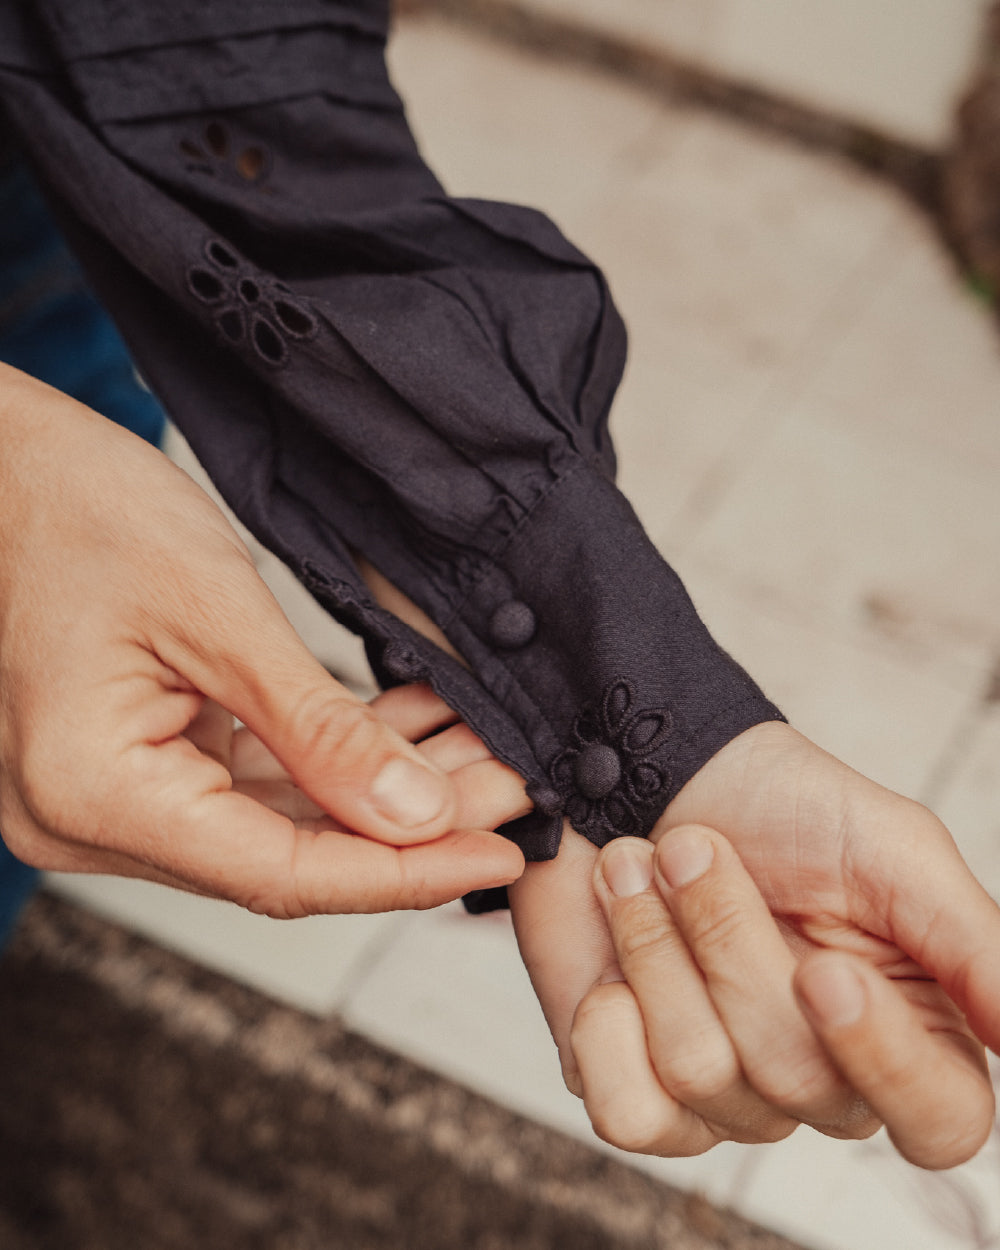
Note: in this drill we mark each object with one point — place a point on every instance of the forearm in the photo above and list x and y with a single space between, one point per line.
364 364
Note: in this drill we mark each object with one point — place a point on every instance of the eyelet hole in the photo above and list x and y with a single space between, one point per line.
249 291
231 325
294 319
205 285
221 255
268 342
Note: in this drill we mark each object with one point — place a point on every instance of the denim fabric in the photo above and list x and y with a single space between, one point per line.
52 327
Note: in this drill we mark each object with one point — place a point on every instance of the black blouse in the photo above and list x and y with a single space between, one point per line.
362 362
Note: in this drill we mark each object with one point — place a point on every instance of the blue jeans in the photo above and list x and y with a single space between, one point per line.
52 327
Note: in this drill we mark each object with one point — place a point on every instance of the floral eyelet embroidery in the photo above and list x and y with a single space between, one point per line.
249 306
608 774
217 153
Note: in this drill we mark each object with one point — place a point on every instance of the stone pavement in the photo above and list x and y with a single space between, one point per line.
810 430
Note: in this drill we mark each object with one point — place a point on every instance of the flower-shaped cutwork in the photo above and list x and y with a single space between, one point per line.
609 773
217 153
249 306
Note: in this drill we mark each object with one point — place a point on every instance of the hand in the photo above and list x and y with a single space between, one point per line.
373 876
712 1043
747 953
126 602
828 896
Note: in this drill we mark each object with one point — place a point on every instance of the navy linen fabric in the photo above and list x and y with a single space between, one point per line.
364 363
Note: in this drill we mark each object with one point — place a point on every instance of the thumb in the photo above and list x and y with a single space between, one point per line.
944 919
336 749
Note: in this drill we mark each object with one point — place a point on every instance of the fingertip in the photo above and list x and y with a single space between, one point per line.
414 710
504 858
514 864
685 854
978 994
922 1075
624 868
939 1142
462 862
573 1081
413 797
488 794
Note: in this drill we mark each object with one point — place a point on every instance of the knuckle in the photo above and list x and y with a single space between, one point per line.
335 727
465 743
858 1123
632 1129
591 1014
717 924
862 1124
802 1085
201 600
644 933
405 887
280 895
642 1131
764 1128
703 1075
290 891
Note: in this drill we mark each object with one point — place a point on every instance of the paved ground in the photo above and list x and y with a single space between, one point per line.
810 429
146 1102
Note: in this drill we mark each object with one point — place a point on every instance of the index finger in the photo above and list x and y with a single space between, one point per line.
914 1062
937 911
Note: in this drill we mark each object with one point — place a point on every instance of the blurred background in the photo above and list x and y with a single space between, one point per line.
797 204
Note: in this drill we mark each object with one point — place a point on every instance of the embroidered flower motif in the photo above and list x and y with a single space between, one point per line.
217 153
250 306
608 772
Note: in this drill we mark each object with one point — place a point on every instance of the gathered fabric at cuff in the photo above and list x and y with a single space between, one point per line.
364 363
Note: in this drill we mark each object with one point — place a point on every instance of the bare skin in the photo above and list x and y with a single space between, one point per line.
130 616
834 960
799 946
833 963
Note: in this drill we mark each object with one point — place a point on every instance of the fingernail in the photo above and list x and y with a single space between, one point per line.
628 868
611 976
408 794
684 857
834 994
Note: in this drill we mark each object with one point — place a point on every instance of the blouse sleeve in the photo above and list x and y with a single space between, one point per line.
363 363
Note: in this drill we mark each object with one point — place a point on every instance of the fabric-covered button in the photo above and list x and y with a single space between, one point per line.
597 770
613 770
513 624
404 663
